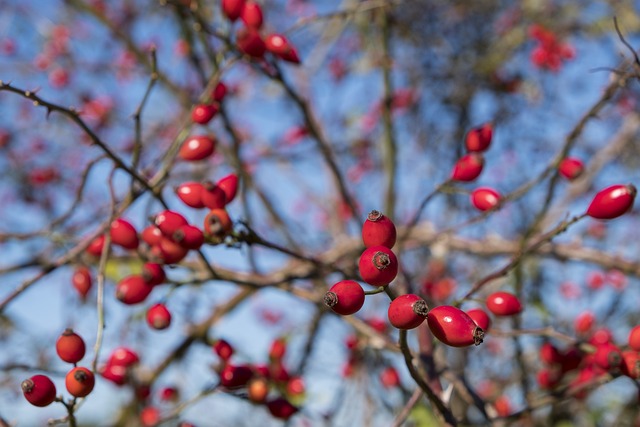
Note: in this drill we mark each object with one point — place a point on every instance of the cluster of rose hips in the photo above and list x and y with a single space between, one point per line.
40 391
549 52
271 384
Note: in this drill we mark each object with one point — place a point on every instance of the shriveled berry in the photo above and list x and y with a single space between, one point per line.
503 304
454 327
612 202
80 381
481 318
485 198
378 266
190 194
571 168
39 390
345 297
197 147
159 316
479 138
378 230
124 234
407 311
468 167
133 289
70 346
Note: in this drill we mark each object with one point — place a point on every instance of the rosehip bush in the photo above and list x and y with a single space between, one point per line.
279 211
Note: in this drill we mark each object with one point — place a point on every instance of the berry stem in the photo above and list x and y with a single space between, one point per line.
377 290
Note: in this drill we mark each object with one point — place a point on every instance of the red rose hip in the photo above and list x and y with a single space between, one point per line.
571 168
479 138
378 230
80 381
345 297
485 198
158 316
378 266
39 390
407 311
612 202
70 346
197 147
468 167
503 304
454 327
481 318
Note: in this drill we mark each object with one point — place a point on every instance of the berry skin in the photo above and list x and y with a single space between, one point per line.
235 376
257 390
345 297
124 234
39 390
378 266
389 377
281 408
481 318
219 92
549 354
82 281
479 138
584 322
378 230
153 274
250 43
278 349
630 365
454 327
158 317
203 113
117 374
212 196
232 8
197 147
223 349
612 202
133 290
123 356
80 381
280 46
151 235
168 222
468 167
571 168
189 237
252 15
70 346
150 416
170 251
229 185
503 304
96 246
634 338
608 357
485 198
407 311
190 193
217 224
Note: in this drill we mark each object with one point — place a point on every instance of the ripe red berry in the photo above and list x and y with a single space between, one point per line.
70 346
124 234
190 194
114 373
630 365
197 147
280 46
250 43
151 235
229 184
584 322
278 349
232 8
219 92
123 356
503 304
601 336
252 15
80 381
212 196
150 416
571 168
634 338
170 251
203 113
133 289
378 230
168 222
153 274
612 202
217 224
281 408
295 387
223 349
407 311
82 281
468 167
189 237
454 327
548 378
389 377
378 266
608 356
96 246
158 316
479 138
485 198
345 297
549 354
481 318
235 376
169 394
39 390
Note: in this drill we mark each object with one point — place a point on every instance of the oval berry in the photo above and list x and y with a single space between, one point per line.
345 297
153 274
252 15
159 316
608 356
133 289
170 251
80 381
229 184
407 311
454 327
189 237
114 373
232 8
39 390
280 46
151 235
70 346
168 222
378 266
233 376
124 234
197 147
503 304
212 196
378 230
96 246
203 113
219 92
82 280
571 168
123 356
481 318
485 198
630 365
634 338
479 138
389 377
612 202
549 354
190 194
250 43
257 390
223 349
468 167
217 224
281 408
